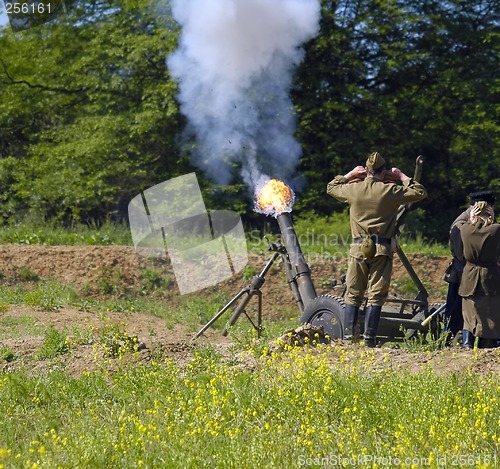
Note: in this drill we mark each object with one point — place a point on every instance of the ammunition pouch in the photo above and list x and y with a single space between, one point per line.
367 244
367 247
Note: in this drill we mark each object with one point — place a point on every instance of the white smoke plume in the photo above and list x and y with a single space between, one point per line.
234 64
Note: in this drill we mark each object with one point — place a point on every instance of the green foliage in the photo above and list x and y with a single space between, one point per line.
324 235
54 343
12 327
249 272
199 310
116 342
49 296
206 353
427 342
108 280
397 78
6 354
246 337
89 117
404 286
53 233
418 244
26 275
87 110
153 280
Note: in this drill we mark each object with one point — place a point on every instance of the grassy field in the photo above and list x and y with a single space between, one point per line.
249 407
292 409
319 406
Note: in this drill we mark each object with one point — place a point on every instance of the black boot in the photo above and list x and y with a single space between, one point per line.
372 319
467 340
350 321
486 343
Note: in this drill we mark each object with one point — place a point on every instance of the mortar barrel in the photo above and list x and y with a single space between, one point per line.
300 269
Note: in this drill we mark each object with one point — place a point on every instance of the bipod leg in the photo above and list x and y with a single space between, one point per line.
241 309
220 313
259 316
252 289
258 326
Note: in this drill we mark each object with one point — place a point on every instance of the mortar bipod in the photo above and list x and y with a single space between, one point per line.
247 293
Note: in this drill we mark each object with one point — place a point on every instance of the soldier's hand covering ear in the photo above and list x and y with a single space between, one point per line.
476 210
357 172
398 174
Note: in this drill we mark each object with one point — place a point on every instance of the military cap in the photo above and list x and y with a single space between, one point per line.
375 161
486 196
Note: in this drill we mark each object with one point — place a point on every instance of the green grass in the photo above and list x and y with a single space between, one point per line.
56 234
13 327
327 236
54 343
293 409
6 355
419 245
247 408
47 295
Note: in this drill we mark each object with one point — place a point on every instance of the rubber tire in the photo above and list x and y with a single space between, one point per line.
326 311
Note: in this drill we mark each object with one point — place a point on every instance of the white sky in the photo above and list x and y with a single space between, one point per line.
3 16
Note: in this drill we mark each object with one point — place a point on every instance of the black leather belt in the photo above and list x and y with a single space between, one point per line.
375 239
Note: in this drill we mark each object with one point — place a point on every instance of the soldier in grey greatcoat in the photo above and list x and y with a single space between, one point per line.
480 283
453 314
374 204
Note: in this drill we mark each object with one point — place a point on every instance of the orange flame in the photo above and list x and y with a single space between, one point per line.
274 197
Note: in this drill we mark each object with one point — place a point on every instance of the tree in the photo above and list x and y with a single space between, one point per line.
405 78
88 111
88 115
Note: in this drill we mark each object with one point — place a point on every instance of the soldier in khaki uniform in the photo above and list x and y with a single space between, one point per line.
374 206
480 283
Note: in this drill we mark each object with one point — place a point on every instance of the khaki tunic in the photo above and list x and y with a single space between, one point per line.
373 211
480 284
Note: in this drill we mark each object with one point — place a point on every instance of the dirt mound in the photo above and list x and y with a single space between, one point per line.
79 266
100 269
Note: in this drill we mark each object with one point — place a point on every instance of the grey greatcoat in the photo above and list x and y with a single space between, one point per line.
480 284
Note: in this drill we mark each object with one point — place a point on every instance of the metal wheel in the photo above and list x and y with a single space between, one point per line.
326 311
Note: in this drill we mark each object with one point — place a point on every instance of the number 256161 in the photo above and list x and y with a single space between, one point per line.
27 8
